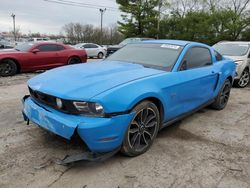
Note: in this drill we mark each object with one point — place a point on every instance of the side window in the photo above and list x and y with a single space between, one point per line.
93 46
48 48
86 46
218 56
249 55
196 57
59 47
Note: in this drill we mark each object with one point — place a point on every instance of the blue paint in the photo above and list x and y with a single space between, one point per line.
118 87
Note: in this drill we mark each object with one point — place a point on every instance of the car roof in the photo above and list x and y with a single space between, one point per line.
174 42
235 42
36 43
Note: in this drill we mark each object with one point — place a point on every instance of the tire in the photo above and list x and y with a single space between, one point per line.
223 96
244 79
74 60
142 130
100 55
8 67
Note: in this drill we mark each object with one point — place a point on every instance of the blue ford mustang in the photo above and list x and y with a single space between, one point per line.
123 101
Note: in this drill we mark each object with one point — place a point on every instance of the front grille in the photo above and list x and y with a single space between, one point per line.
50 101
43 98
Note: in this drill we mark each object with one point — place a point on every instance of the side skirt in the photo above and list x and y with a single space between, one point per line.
165 124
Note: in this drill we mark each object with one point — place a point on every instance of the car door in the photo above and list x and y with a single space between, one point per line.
45 56
87 49
197 80
93 50
62 56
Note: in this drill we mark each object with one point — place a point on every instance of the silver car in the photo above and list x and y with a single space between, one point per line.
240 53
93 50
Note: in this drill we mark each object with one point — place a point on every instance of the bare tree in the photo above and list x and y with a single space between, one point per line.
182 7
76 33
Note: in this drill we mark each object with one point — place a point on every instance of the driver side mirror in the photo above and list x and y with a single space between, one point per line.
183 66
35 51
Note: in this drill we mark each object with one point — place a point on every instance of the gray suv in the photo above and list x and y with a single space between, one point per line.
240 53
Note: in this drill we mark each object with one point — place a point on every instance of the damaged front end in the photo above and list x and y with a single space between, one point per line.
101 135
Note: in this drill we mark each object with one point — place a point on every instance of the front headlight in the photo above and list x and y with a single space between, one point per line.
89 108
239 63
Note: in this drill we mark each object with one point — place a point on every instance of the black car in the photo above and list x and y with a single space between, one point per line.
112 49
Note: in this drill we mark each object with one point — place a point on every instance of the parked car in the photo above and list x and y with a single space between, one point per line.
38 56
93 50
5 45
112 49
123 101
39 39
240 53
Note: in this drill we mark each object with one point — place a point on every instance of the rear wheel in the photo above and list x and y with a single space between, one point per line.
74 60
142 129
8 68
244 79
100 55
223 96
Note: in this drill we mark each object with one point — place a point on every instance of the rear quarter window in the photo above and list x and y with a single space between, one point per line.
218 56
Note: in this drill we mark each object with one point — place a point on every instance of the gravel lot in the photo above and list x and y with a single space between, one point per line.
208 149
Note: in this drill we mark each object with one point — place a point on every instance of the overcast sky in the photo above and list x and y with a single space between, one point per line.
46 17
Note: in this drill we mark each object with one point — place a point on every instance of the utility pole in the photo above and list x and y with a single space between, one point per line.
14 25
159 18
102 12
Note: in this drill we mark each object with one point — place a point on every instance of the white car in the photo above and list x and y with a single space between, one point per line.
93 50
240 53
39 40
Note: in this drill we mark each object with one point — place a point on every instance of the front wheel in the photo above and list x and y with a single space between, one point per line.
8 68
244 79
223 96
142 129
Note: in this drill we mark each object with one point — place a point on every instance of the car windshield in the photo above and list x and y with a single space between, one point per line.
232 49
162 56
24 47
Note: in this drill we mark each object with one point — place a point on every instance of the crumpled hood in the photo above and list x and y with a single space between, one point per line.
84 81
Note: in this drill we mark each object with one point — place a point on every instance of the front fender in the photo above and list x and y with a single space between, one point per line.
227 69
125 97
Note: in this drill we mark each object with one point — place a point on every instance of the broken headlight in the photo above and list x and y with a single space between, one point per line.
89 108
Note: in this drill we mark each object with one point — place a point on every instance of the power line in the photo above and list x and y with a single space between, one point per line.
87 4
78 4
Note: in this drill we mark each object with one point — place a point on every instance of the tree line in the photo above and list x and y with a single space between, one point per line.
207 21
78 33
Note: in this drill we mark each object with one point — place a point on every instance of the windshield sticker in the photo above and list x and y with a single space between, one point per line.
170 46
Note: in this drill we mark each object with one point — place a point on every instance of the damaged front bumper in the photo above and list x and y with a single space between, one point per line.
99 134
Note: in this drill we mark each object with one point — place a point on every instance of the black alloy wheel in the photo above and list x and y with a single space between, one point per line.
8 68
223 96
74 60
142 129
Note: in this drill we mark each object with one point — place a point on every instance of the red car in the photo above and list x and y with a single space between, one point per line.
28 57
